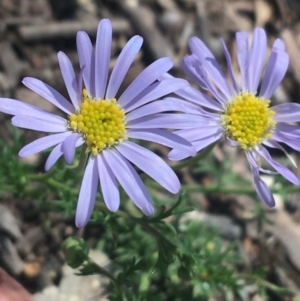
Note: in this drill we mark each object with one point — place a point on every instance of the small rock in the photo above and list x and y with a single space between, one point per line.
76 288
8 223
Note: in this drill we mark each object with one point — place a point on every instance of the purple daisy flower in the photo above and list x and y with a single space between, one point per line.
241 113
104 125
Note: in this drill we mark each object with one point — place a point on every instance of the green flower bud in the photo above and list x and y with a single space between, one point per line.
75 251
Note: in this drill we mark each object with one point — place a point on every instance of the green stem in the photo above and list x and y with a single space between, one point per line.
55 184
266 284
225 190
41 176
195 159
242 190
159 236
102 271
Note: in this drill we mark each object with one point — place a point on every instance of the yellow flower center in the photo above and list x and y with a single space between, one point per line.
248 120
101 123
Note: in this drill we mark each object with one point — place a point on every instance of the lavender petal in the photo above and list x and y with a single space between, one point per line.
16 107
279 44
197 133
193 95
285 172
145 78
174 121
243 56
276 69
103 49
287 112
49 94
69 147
41 125
287 130
55 154
145 160
256 59
188 64
210 86
261 188
290 141
109 185
69 77
129 180
176 154
210 65
122 65
166 105
86 58
43 143
155 91
229 67
163 137
87 194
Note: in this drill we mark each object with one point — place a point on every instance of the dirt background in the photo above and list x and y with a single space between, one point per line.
31 34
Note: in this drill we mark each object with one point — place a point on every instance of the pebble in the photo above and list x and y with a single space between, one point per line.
76 288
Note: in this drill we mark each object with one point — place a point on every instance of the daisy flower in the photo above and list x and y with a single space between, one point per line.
104 125
241 113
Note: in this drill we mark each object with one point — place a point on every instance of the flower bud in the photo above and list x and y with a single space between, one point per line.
75 251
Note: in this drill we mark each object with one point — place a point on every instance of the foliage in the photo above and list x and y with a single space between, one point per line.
168 256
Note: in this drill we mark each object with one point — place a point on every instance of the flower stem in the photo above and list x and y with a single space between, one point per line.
102 271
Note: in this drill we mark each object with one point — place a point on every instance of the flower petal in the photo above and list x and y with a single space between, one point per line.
103 50
49 93
278 167
129 180
86 58
279 44
55 154
287 112
176 154
87 195
256 59
197 133
243 56
261 188
188 65
69 77
229 67
145 160
79 80
274 144
144 79
276 69
155 91
210 65
165 105
199 98
174 121
42 144
210 86
122 65
287 130
69 146
162 137
109 185
16 107
288 140
41 125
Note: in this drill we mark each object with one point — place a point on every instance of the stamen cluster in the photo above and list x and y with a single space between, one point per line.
101 123
248 120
